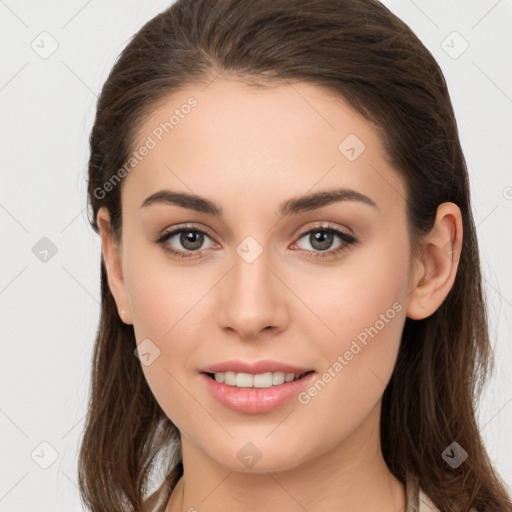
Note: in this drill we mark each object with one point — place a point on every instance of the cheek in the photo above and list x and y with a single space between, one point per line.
159 293
361 299
365 315
359 303
163 310
167 307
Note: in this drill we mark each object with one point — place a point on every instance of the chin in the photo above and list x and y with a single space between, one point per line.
260 456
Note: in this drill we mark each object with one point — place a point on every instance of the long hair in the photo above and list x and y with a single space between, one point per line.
361 51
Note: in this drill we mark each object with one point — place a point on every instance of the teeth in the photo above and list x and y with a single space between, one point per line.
261 380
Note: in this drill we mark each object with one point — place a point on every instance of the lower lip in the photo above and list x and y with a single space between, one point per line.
255 400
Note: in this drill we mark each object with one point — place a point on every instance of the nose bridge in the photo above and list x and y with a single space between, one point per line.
251 278
252 300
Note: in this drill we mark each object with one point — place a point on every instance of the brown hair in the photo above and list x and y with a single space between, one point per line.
363 53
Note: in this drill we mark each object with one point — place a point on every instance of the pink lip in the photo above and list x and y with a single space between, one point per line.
256 400
263 366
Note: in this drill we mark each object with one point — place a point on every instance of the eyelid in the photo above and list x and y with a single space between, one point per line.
344 234
323 225
298 233
184 227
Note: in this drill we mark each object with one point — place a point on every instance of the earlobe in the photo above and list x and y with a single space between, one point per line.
113 264
439 263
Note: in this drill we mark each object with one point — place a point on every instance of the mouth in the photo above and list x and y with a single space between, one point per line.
260 380
255 393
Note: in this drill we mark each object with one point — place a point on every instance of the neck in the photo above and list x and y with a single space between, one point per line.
351 476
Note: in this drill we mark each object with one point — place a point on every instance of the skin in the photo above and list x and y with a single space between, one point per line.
248 150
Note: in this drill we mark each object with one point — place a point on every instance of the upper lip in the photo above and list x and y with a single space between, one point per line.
254 368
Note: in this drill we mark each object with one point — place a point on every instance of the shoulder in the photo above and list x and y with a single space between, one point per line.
417 500
426 505
157 501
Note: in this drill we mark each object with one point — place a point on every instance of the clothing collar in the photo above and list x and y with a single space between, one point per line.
417 500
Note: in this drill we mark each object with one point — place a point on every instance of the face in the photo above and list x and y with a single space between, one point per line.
320 283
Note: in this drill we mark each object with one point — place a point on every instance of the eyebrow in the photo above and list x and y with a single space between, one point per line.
289 207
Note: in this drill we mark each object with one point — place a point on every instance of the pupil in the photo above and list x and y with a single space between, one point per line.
325 240
187 237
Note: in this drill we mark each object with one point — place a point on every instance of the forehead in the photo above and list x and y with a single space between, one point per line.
253 147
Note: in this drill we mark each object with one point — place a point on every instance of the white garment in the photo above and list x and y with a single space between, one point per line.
417 500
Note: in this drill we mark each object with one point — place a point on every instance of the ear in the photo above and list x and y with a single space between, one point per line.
435 273
112 258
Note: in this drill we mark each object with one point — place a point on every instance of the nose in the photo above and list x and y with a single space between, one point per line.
253 299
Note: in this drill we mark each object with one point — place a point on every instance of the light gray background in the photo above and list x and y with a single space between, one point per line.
49 311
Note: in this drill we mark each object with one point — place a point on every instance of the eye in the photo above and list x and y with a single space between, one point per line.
191 239
321 238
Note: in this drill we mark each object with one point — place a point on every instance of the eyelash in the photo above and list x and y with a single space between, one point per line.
345 237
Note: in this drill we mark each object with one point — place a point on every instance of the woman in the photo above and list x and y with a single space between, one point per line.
292 310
